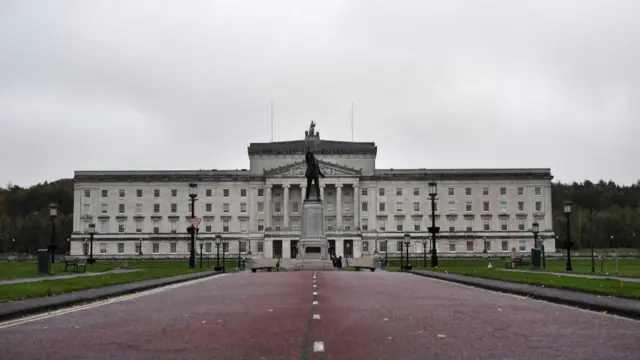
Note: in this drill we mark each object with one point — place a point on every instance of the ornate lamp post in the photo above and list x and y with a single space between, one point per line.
140 247
386 252
535 228
192 230
201 245
567 213
407 242
224 265
218 242
433 229
425 241
92 231
53 213
375 245
485 250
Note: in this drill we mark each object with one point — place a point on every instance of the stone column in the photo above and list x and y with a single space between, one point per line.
356 205
339 206
322 191
267 207
286 206
303 188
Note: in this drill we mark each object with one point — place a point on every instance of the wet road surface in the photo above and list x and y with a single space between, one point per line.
332 315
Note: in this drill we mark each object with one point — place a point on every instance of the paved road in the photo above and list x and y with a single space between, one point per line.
363 315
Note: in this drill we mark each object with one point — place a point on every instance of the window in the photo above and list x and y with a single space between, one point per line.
468 206
381 192
173 223
486 223
538 191
469 226
399 246
121 227
225 207
121 193
503 191
398 191
120 248
522 245
295 224
139 223
487 245
105 193
103 248
156 193
538 205
243 246
208 192
365 246
138 247
156 248
277 207
295 206
260 224
207 247
207 225
365 206
348 224
485 206
138 193
86 209
416 224
174 192
156 208
467 191
156 226
104 226
520 191
416 206
225 192
103 208
121 208
260 192
398 206
399 223
503 206
243 225
470 245
382 224
452 246
138 208
520 205
243 192
208 207
260 207
87 193
225 247
451 191
331 224
189 207
243 207
485 191
503 223
521 223
452 223
381 207
364 224
260 246
174 208
383 245
452 206
505 245
416 191
173 247
225 225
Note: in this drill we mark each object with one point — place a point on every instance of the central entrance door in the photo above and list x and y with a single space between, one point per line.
348 248
294 249
332 247
277 249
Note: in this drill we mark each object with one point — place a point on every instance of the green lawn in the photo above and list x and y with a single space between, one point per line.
478 268
148 269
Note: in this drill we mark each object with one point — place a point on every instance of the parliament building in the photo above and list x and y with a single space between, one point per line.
258 211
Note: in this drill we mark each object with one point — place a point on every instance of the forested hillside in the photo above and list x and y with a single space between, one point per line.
600 210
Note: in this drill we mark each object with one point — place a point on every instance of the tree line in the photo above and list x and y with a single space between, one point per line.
604 214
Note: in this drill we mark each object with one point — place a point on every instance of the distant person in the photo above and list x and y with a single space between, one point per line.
339 261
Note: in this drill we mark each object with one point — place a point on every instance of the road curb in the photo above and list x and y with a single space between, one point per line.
614 305
20 308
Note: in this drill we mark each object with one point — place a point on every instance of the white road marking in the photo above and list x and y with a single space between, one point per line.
73 309
318 346
315 286
315 293
316 316
315 302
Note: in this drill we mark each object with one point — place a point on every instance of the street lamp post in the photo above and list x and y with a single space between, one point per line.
535 229
567 213
140 247
375 249
433 229
53 212
425 241
193 194
386 252
13 246
85 247
485 251
218 242
224 265
92 231
238 263
407 242
201 245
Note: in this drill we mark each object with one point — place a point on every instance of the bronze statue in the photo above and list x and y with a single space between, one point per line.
312 173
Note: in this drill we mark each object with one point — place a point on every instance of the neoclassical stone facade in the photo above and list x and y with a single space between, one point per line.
259 209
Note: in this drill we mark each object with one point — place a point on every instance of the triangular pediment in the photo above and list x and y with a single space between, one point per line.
298 169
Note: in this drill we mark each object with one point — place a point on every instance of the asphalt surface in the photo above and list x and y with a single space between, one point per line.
363 315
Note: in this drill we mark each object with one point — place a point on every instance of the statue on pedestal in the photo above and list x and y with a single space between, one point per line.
312 174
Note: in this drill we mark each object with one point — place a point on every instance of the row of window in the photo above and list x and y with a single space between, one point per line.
453 224
468 206
122 193
452 191
453 246
155 247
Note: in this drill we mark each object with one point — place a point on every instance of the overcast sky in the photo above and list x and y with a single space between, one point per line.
156 84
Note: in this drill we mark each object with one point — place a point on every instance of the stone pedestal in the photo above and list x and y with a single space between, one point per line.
313 247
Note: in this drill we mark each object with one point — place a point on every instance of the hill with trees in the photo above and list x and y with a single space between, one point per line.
605 213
